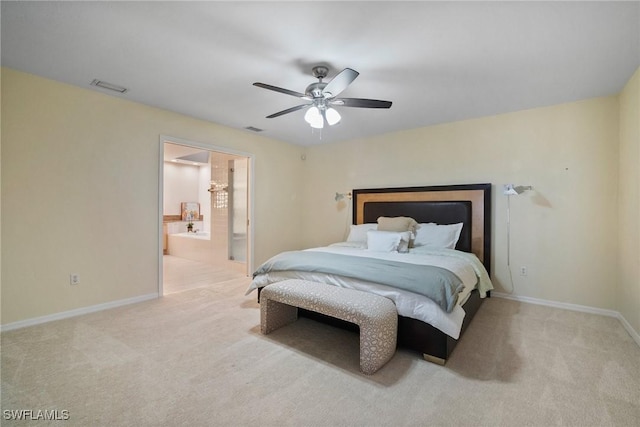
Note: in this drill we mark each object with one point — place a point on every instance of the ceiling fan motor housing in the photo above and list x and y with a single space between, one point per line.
314 90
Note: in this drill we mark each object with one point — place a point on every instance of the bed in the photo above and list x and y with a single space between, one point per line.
426 325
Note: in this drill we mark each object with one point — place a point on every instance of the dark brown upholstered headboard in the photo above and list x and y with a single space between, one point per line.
442 204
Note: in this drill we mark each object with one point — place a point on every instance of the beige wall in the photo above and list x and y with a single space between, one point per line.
564 232
628 297
80 194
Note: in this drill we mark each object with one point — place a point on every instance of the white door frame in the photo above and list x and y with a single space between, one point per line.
208 147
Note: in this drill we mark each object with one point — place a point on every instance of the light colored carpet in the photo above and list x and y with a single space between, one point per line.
196 358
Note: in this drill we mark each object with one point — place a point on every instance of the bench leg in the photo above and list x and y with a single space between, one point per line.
274 315
377 345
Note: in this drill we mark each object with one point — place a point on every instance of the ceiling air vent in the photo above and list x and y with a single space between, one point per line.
254 129
108 86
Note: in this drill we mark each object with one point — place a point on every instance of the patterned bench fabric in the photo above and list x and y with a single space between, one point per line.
375 315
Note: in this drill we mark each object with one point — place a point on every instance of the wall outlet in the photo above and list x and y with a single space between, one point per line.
523 271
74 279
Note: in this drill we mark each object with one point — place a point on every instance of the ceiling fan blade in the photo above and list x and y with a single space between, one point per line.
289 110
362 103
281 90
340 82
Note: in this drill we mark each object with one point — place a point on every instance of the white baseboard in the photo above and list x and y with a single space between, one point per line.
629 328
113 304
76 312
574 307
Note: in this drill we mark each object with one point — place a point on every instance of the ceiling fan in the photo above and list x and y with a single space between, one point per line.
323 97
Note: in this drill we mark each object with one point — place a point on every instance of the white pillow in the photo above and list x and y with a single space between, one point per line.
438 236
358 233
382 241
388 241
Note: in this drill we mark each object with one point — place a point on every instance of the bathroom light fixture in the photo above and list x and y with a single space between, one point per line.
215 187
340 196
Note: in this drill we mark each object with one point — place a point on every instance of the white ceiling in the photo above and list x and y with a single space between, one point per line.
437 61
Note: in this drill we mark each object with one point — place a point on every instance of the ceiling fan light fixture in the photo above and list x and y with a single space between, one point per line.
314 118
322 95
333 116
317 124
311 114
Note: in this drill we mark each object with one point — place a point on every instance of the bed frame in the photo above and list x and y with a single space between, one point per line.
443 204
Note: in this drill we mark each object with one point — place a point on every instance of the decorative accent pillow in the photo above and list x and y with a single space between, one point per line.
437 236
405 241
358 233
388 241
398 223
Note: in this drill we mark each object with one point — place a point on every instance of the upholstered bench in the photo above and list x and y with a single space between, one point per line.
376 316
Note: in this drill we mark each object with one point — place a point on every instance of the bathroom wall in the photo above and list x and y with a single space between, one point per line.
185 183
204 197
220 212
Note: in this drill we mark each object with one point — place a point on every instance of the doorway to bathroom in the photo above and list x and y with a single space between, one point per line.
206 215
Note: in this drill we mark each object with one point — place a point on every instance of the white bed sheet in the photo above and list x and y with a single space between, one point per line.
408 304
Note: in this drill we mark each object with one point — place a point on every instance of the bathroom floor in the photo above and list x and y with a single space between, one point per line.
181 274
